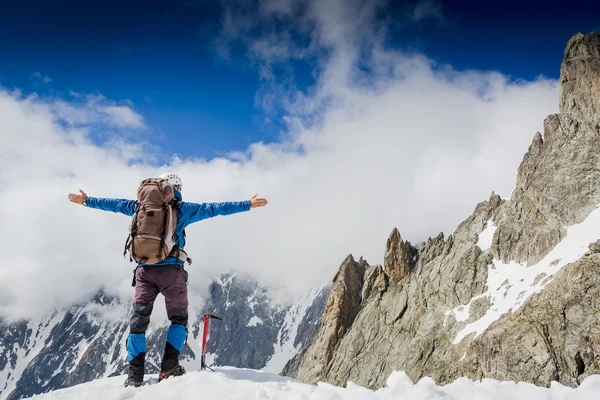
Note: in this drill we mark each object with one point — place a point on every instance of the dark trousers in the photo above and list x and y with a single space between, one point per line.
171 281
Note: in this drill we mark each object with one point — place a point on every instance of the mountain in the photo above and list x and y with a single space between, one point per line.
87 342
512 294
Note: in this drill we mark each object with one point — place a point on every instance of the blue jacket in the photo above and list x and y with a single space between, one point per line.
190 213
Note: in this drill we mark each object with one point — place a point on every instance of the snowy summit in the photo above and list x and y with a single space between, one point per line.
242 384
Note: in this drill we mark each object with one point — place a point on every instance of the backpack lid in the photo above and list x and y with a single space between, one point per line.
155 191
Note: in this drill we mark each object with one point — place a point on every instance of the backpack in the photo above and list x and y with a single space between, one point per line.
152 235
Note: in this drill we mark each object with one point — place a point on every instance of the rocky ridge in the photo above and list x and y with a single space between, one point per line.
422 312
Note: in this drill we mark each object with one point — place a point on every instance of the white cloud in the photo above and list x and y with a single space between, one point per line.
123 116
41 77
410 145
97 109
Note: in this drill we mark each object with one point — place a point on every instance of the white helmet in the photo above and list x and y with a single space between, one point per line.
172 179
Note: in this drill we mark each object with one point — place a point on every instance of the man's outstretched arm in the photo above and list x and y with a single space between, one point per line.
122 206
197 212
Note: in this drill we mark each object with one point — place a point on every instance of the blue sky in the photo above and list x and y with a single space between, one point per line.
365 131
196 102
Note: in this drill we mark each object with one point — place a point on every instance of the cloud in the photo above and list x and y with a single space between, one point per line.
87 109
383 139
39 76
278 33
123 116
275 43
425 9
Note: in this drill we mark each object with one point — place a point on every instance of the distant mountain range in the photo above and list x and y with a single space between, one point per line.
87 342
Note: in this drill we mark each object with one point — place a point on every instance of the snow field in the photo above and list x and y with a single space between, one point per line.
243 384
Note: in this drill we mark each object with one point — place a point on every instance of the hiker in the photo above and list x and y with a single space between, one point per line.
156 243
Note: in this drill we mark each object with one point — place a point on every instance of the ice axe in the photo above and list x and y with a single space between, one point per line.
207 318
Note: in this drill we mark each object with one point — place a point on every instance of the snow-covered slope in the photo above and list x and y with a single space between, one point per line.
244 384
301 321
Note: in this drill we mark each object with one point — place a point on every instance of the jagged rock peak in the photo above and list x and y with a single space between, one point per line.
343 305
580 78
583 46
363 263
530 160
486 208
434 248
537 140
349 268
438 239
400 257
349 278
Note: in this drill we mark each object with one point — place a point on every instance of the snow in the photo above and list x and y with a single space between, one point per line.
225 281
284 345
115 346
251 301
485 237
79 350
510 285
241 384
254 321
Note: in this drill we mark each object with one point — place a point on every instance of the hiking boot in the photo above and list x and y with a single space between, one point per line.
135 375
177 371
131 381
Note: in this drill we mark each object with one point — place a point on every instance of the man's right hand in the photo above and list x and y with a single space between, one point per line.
78 198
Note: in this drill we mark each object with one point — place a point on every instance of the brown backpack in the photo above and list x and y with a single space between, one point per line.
152 232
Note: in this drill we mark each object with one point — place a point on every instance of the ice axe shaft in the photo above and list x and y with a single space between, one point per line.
207 318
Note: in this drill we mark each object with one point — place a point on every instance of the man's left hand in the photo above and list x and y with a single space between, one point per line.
257 202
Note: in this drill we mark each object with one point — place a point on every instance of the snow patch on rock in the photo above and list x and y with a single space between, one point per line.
510 285
486 236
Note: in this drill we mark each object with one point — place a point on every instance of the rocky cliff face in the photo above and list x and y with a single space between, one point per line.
557 182
512 294
87 342
580 88
555 336
397 322
341 309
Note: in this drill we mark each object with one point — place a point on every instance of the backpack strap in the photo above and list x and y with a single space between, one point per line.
133 280
132 234
164 232
183 256
127 245
179 253
175 204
